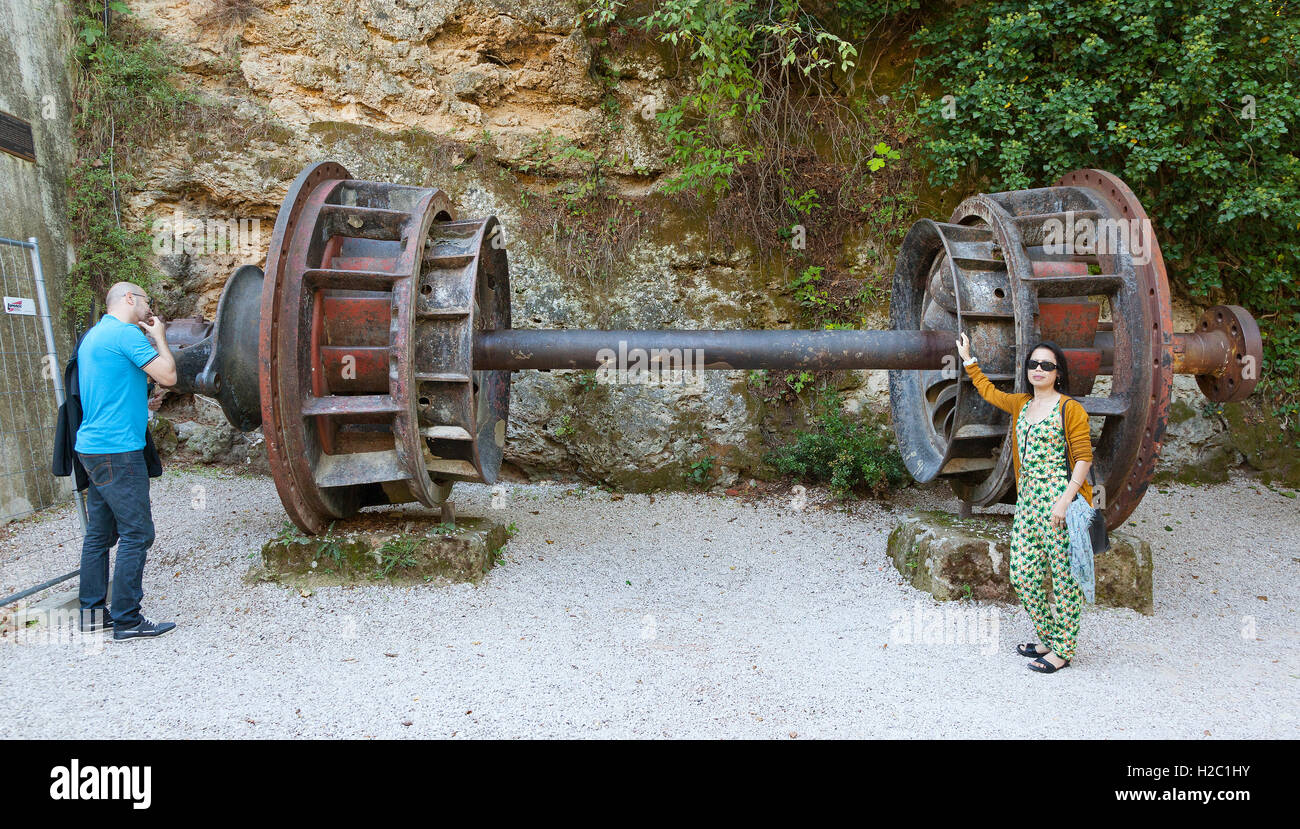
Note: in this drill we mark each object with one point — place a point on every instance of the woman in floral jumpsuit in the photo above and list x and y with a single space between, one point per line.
1046 483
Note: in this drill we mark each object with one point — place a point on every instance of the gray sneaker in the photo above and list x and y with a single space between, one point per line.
147 627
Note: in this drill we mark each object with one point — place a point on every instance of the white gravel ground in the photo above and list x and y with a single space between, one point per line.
677 615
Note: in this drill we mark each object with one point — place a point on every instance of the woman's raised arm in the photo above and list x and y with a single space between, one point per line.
995 396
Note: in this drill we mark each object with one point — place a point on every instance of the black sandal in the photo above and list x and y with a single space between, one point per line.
1047 667
1030 649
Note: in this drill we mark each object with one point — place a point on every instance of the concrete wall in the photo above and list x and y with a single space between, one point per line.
34 86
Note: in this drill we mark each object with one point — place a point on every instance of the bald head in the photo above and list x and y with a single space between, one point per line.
128 302
118 292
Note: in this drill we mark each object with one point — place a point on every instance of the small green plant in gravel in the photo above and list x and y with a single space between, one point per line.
329 547
289 534
499 553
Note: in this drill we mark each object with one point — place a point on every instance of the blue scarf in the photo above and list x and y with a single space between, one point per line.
1078 517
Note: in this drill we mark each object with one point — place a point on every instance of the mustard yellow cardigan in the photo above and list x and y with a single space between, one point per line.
1078 435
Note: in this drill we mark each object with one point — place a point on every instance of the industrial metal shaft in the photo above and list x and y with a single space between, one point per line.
522 348
515 349
1200 353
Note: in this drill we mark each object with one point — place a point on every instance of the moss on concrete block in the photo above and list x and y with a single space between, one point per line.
164 435
1122 574
1181 412
1256 433
391 548
954 558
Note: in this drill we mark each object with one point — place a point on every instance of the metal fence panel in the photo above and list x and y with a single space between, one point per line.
31 389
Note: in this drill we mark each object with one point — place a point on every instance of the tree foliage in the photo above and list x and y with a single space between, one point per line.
1194 103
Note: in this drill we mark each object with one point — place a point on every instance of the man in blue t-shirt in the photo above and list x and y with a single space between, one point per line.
112 363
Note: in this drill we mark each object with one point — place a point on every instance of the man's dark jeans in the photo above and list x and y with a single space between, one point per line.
117 507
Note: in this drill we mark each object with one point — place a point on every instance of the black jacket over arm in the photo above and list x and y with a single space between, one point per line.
66 461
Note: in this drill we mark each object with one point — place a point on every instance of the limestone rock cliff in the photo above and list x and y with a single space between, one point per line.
477 97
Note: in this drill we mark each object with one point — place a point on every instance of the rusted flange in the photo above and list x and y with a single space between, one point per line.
1244 353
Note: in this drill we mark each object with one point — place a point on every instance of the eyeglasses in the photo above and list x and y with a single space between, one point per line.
142 296
1045 365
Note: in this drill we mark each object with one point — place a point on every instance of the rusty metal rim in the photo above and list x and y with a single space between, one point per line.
477 447
273 413
293 351
407 440
1153 292
922 453
1000 479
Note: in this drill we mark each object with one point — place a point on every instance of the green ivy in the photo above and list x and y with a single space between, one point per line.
107 252
122 97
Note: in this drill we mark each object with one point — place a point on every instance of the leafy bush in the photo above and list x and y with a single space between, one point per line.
1194 103
849 456
739 47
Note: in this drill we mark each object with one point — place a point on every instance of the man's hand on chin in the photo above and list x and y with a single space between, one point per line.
154 328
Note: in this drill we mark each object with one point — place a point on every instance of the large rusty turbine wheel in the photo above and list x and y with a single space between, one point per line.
989 273
371 298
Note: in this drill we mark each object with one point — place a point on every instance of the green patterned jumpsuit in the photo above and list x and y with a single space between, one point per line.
1034 543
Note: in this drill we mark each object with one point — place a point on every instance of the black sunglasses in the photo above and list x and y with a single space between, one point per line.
1045 365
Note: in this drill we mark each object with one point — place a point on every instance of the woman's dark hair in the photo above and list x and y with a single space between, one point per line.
1062 372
